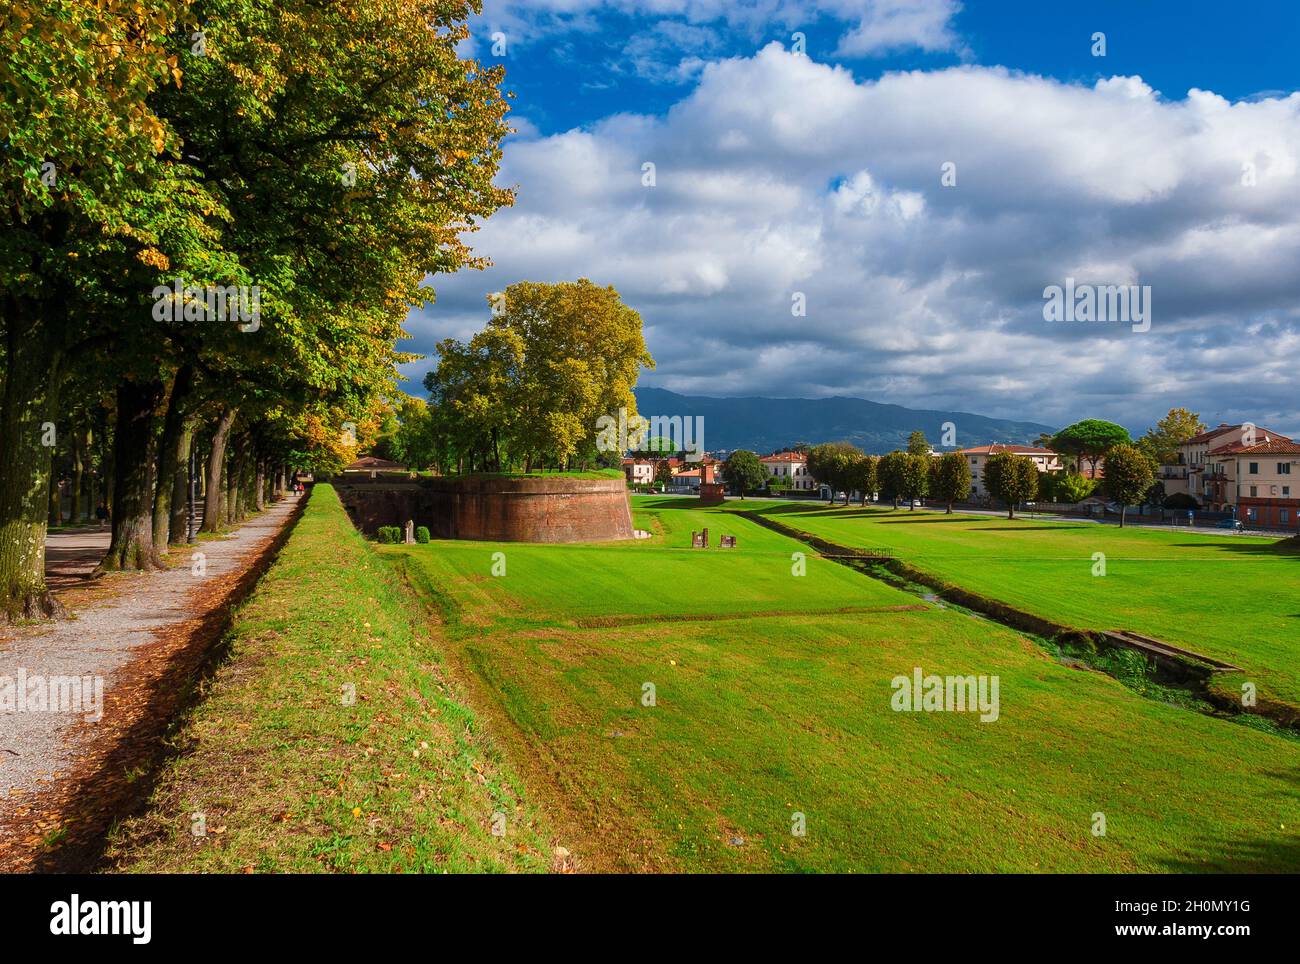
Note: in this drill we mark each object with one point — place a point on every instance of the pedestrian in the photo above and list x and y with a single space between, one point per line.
101 513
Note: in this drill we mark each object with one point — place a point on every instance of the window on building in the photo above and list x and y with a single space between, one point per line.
1252 513
1284 468
1284 516
1254 468
1254 491
1286 490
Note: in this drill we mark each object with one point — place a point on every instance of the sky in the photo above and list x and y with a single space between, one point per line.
915 174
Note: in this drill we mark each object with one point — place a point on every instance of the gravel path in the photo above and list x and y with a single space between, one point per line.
41 748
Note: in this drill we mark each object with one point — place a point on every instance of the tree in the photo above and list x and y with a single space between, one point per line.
1090 439
950 478
1128 476
1072 487
117 177
889 475
744 471
914 477
917 444
1161 442
861 476
664 472
543 383
1013 479
830 464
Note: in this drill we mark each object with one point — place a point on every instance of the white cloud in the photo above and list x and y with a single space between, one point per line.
871 27
778 174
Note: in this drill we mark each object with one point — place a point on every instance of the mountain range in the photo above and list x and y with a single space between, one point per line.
768 424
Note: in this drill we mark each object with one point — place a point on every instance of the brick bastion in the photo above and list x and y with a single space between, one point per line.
492 508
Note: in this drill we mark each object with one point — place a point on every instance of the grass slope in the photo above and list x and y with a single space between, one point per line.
1236 598
759 717
290 778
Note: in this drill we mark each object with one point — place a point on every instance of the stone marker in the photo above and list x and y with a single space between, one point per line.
410 532
728 542
697 540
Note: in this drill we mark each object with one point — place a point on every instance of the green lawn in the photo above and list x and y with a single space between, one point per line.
331 739
757 717
1236 598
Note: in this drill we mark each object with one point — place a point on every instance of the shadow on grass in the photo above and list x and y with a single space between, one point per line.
1284 549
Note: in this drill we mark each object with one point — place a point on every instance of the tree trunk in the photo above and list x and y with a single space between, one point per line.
79 451
178 524
237 481
135 450
260 486
30 397
212 508
56 496
1122 509
1011 510
169 456
949 512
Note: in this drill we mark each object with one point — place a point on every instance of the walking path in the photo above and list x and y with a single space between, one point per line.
134 644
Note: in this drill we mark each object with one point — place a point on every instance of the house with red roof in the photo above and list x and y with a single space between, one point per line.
1245 469
1045 460
790 468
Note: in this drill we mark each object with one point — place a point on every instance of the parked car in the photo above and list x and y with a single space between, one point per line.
1234 524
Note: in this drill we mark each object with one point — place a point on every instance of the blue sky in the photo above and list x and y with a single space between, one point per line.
1171 162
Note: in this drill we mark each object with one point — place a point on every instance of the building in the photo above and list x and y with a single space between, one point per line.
1245 470
1045 460
1261 480
790 468
639 471
1248 471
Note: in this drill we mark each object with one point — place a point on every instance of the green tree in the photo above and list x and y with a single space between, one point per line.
1129 475
1090 439
950 478
1161 442
861 476
744 472
889 475
1073 487
830 464
663 472
917 444
914 477
1013 479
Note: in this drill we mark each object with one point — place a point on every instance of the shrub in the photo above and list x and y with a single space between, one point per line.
422 534
390 534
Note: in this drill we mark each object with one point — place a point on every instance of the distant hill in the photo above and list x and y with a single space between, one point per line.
766 424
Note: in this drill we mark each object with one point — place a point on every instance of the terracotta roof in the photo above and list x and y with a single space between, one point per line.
999 448
785 457
1274 446
1224 428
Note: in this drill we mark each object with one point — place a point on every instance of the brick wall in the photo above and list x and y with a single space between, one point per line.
494 509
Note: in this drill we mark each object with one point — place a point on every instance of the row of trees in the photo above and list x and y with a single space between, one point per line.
310 162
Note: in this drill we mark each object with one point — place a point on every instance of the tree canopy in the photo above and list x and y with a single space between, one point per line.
211 234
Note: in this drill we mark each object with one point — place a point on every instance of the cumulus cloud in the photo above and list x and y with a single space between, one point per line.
776 174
